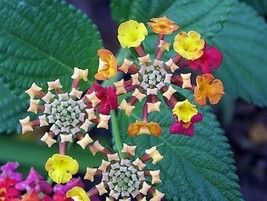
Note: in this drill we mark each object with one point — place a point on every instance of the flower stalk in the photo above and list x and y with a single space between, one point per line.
116 134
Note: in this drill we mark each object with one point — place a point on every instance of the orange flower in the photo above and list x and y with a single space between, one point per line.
107 65
31 196
208 87
140 127
162 25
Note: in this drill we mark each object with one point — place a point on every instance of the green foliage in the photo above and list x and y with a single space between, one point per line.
204 16
44 40
10 113
243 43
41 41
31 152
199 168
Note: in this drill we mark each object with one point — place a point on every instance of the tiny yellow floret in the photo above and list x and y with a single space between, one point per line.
131 33
184 110
61 168
189 45
77 194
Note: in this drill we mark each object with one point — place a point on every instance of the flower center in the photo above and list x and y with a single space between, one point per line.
65 114
123 179
153 77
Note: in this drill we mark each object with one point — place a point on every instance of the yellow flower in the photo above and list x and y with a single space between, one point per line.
208 87
107 65
189 45
131 33
61 168
140 127
77 194
184 110
163 25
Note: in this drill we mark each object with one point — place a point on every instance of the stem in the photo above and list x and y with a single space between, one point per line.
62 148
115 133
49 180
140 51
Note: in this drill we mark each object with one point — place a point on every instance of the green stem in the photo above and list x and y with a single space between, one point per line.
116 134
49 180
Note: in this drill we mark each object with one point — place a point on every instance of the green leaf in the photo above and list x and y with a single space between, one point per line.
243 43
31 154
10 110
42 41
259 5
204 16
199 168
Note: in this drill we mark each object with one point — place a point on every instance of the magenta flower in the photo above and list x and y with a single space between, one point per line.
59 188
180 127
211 58
35 182
8 171
108 98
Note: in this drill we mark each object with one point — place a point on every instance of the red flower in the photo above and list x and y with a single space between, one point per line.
108 98
61 197
179 127
7 189
211 58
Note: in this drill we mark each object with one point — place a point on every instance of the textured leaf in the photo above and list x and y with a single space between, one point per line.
204 16
259 5
41 41
199 168
10 111
44 40
243 43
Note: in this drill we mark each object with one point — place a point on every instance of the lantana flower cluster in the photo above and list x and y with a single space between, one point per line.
68 116
155 80
13 187
122 178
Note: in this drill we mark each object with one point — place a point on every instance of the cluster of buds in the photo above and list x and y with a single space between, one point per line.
154 81
70 115
122 178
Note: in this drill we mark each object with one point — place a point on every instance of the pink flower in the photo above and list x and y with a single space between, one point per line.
35 182
179 127
211 58
8 171
63 188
